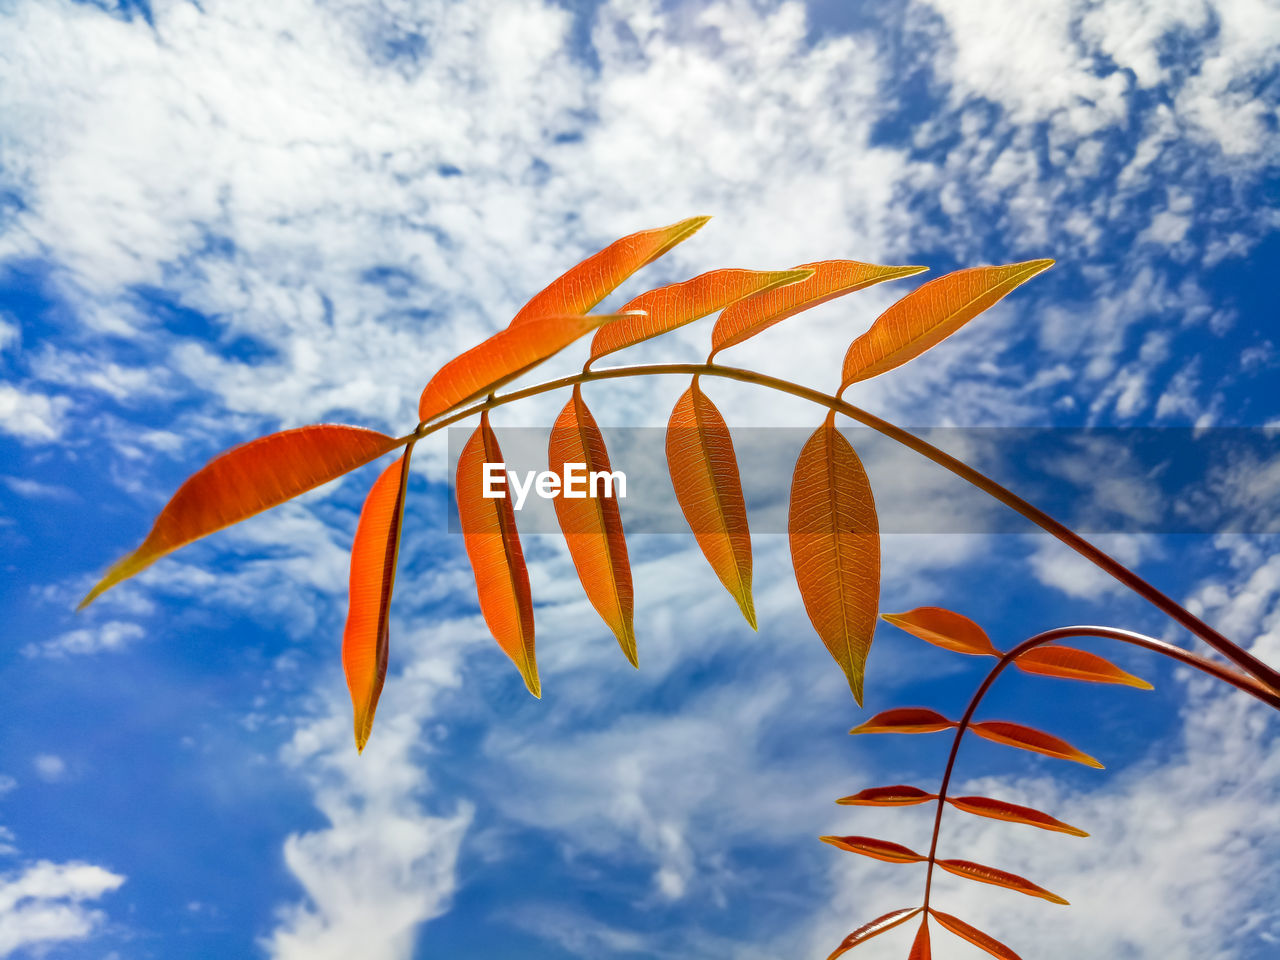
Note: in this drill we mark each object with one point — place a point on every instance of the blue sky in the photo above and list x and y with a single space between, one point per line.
226 218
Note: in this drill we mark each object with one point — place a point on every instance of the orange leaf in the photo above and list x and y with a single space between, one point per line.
976 871
704 472
930 314
873 929
672 306
247 480
831 278
876 849
974 936
493 547
835 548
905 720
591 524
920 946
945 629
506 355
1069 663
582 287
1028 738
896 796
999 810
366 639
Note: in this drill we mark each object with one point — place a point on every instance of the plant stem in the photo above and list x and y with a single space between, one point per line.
1247 684
1167 605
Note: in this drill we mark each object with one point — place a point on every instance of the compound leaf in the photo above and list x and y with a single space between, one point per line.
930 314
583 286
246 480
835 548
704 473
831 278
493 547
591 524
672 306
366 638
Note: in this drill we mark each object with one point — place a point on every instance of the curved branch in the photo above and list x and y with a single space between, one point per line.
1248 684
1167 605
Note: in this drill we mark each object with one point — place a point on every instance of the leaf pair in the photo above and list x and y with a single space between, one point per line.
923 720
896 853
901 795
955 632
920 946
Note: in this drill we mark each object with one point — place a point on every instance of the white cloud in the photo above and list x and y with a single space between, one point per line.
31 416
46 903
49 767
114 635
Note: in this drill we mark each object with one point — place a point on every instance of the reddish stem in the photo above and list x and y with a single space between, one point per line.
1248 684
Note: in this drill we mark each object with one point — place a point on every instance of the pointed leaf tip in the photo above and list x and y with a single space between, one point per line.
583 286
245 481
704 474
876 849
974 936
873 929
497 559
998 878
374 552
1028 738
592 525
667 308
895 796
905 720
830 279
834 535
929 314
1068 663
944 628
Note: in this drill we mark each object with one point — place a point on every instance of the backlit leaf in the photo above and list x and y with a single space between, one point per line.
704 473
835 548
896 796
876 849
1028 738
672 306
592 525
247 480
945 629
905 720
1069 663
506 355
873 929
999 878
974 936
582 287
366 639
930 314
831 278
493 547
999 810
920 946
